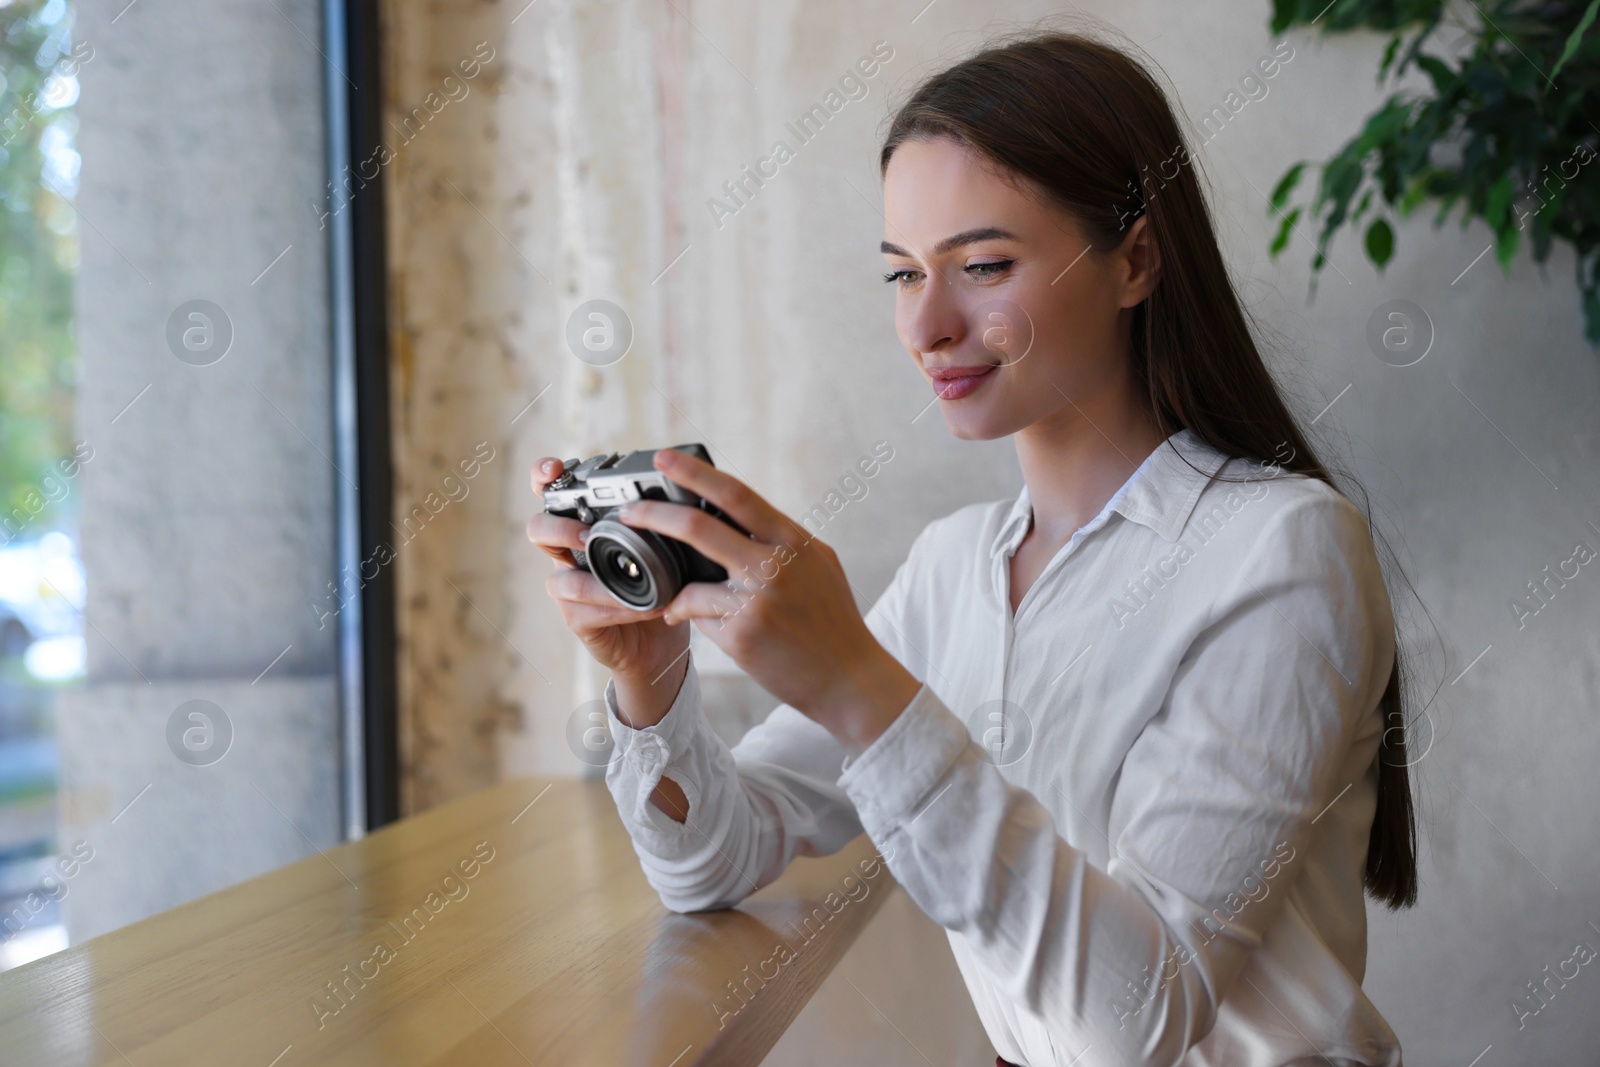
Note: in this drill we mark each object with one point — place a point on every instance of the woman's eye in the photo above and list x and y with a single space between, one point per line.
988 270
906 276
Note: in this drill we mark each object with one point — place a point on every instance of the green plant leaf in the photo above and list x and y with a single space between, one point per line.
1285 186
1281 241
1444 79
1388 56
1505 244
1494 211
1414 195
1340 180
1384 125
1380 243
1576 37
1282 15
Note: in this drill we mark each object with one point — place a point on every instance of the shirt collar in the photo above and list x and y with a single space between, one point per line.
1161 494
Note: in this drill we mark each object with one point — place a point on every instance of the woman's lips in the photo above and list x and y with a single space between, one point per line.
953 383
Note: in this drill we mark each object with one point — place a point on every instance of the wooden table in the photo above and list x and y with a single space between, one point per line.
516 928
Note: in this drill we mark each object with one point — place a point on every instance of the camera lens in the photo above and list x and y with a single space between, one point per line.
637 567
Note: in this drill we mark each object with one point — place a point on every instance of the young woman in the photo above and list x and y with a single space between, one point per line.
1133 738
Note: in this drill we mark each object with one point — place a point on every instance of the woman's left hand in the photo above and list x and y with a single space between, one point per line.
786 614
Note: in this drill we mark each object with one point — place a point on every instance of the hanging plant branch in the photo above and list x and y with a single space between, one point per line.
1506 135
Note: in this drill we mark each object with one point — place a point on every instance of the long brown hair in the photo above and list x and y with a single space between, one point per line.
1090 127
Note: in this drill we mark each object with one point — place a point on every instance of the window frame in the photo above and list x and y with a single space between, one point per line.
358 274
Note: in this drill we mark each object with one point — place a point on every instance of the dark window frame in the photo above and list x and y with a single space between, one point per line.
358 275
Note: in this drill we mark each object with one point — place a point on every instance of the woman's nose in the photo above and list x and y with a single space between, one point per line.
932 319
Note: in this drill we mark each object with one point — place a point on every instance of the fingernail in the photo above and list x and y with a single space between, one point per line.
583 536
624 512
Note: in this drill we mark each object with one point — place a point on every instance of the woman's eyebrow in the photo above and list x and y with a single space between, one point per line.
949 244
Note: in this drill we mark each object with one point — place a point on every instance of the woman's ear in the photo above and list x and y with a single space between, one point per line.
1138 263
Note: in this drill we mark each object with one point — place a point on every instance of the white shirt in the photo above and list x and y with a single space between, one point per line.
1194 676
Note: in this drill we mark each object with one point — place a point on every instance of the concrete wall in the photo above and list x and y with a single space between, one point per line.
580 168
207 521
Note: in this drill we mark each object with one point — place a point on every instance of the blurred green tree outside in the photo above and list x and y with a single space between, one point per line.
38 256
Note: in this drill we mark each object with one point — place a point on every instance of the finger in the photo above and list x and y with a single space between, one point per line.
547 470
712 537
706 600
558 536
580 588
581 617
743 504
556 531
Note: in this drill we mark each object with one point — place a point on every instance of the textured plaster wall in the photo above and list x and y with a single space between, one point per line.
451 295
580 168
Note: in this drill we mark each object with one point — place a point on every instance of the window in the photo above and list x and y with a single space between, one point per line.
181 653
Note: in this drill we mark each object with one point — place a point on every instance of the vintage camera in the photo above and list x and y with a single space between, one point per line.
640 568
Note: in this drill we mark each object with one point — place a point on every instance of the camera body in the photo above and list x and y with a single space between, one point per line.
641 569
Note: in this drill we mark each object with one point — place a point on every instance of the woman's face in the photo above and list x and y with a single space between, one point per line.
999 300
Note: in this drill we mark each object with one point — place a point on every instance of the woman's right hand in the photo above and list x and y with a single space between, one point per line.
636 646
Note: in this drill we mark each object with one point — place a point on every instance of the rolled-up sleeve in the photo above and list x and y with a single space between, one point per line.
1274 702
